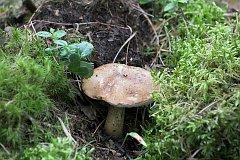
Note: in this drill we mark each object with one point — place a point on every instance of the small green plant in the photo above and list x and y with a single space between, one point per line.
58 148
168 4
171 4
75 53
55 35
142 2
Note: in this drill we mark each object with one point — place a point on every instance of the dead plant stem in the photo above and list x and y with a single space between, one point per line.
123 46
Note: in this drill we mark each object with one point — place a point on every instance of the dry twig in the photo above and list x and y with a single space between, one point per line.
123 46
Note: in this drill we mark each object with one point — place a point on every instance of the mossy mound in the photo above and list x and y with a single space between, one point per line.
197 111
31 83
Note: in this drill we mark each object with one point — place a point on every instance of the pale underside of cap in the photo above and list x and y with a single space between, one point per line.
120 85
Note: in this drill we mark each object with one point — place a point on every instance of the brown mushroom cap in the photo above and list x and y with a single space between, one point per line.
120 85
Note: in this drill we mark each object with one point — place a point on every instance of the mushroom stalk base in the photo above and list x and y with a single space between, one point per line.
114 122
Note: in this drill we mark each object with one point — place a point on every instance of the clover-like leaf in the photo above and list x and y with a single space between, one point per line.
182 1
60 42
81 68
52 30
144 1
64 52
169 6
83 49
44 34
86 70
74 46
59 34
51 48
74 59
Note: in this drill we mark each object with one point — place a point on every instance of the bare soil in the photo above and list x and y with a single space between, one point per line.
107 24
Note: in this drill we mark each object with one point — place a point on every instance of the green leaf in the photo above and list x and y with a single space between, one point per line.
59 34
144 1
86 70
51 48
64 52
44 34
60 42
169 6
74 45
52 30
81 68
84 48
138 138
74 59
182 1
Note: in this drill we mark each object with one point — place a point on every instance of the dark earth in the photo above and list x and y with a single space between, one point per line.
107 24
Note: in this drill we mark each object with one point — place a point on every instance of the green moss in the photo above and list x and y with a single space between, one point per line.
58 148
200 12
197 111
30 82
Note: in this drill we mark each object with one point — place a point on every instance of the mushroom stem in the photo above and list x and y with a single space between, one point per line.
114 121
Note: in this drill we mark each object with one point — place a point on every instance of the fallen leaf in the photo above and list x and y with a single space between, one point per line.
138 138
66 131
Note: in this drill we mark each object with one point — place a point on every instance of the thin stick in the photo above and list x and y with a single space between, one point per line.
168 38
184 20
233 14
208 107
196 152
37 11
78 24
65 130
123 46
126 57
78 82
141 10
4 148
23 43
158 55
236 27
165 21
34 30
98 127
149 21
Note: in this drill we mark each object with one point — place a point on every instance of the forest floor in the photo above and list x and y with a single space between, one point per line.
121 32
118 30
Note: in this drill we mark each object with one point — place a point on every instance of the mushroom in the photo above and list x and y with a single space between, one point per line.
122 87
